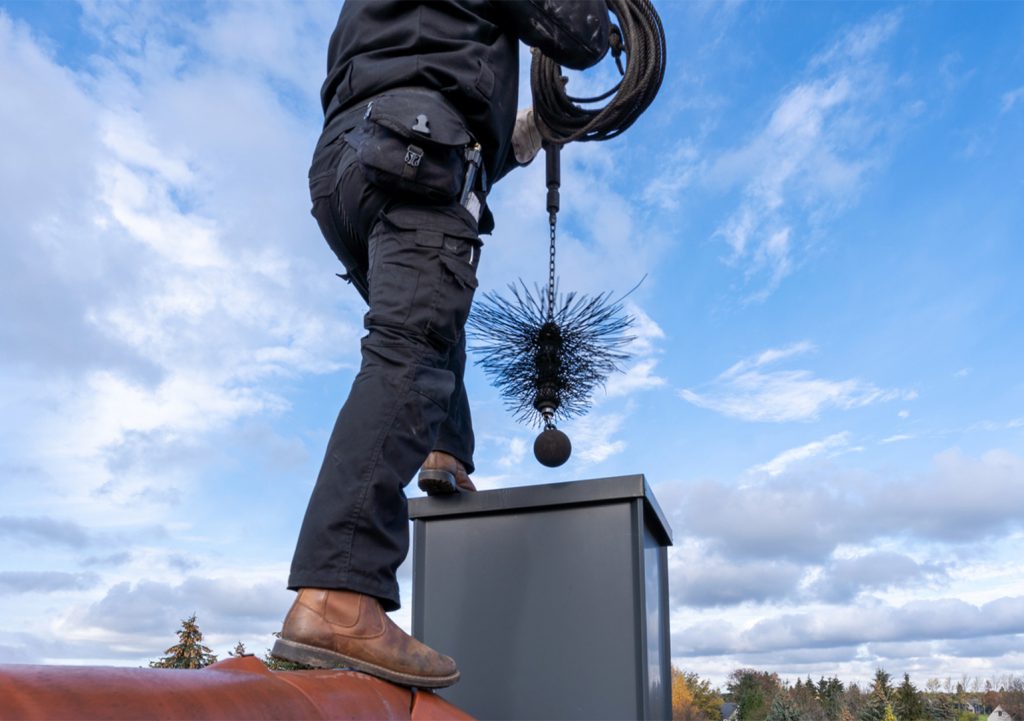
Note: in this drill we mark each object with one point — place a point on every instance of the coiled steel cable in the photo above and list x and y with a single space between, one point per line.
641 37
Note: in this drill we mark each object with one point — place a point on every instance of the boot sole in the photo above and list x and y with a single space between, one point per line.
322 658
436 482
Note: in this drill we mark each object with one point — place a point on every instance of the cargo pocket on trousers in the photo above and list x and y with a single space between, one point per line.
443 248
394 277
458 285
393 291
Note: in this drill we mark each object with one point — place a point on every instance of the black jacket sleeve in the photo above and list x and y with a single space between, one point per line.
573 33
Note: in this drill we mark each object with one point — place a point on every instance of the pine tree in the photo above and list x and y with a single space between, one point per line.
908 703
876 707
782 709
239 651
882 684
830 694
189 652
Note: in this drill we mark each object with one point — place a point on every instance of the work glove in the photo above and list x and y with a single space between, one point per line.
526 138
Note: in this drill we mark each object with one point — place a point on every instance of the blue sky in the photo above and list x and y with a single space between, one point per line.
825 392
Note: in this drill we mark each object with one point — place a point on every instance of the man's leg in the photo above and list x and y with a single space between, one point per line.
421 276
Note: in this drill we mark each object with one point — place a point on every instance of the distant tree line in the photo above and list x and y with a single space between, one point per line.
763 696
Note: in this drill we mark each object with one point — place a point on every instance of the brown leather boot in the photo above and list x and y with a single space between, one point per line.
443 474
343 629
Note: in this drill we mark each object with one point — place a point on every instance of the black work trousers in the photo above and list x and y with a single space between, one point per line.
415 265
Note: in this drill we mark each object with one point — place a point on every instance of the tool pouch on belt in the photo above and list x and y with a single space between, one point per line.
413 142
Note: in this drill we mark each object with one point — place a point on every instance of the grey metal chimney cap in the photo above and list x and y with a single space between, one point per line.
573 493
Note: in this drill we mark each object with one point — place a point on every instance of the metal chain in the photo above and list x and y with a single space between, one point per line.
552 218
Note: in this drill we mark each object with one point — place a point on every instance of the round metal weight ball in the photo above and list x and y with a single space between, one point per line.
552 447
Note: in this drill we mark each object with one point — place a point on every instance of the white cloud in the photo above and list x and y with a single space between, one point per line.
772 255
701 578
1010 99
862 40
843 578
125 135
592 437
805 164
939 619
959 500
140 203
744 391
793 163
181 253
897 438
963 491
645 331
997 425
664 190
44 530
179 404
515 455
637 377
275 42
786 459
772 355
154 607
